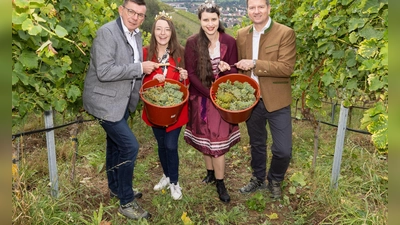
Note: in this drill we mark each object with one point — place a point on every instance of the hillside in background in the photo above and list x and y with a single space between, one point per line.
231 11
187 23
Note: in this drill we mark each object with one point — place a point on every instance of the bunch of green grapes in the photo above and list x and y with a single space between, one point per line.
167 95
235 96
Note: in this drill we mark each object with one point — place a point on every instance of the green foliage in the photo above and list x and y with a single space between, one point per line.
50 50
152 9
342 53
257 202
235 96
50 47
298 179
168 94
376 120
97 217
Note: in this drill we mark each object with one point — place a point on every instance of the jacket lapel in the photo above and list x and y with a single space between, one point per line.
139 43
249 44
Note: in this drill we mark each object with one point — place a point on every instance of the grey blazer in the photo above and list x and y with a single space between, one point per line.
113 80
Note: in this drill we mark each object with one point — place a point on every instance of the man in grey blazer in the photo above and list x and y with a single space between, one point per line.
111 90
267 53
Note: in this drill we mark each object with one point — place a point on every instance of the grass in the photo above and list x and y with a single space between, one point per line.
361 196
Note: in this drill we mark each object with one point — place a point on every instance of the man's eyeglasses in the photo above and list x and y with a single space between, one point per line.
132 12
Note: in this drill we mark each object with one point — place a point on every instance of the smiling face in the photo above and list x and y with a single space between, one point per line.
132 15
162 32
209 22
258 12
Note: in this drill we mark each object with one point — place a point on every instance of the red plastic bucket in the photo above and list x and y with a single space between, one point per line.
239 115
163 115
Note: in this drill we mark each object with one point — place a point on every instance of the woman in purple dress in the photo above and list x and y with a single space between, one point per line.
208 55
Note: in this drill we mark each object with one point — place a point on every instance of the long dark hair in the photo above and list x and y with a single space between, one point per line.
175 49
204 67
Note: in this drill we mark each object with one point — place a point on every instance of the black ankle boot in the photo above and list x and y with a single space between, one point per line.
222 192
210 178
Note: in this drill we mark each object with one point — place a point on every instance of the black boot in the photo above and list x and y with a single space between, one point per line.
210 178
222 192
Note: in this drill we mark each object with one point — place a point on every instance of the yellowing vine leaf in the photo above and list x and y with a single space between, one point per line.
185 219
273 216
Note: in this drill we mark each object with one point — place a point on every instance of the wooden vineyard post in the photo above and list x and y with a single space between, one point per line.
339 145
51 152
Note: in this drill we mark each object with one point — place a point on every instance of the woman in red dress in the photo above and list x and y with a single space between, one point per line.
164 48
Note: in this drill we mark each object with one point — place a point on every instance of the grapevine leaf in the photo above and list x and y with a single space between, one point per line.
327 78
18 18
273 216
30 27
350 58
73 92
18 69
338 54
368 32
368 48
66 4
15 78
374 82
60 105
346 103
38 18
331 92
351 62
61 31
384 55
369 65
27 25
379 131
35 30
15 99
67 59
22 3
371 6
353 37
298 179
355 23
352 72
292 190
36 3
352 84
29 59
346 2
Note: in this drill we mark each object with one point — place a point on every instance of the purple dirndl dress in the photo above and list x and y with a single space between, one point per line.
206 130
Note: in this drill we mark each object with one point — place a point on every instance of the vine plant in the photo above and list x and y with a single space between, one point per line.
342 55
50 50
342 50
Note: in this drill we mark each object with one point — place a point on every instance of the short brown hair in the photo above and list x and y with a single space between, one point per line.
266 1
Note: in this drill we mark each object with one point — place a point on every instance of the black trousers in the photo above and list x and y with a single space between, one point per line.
280 124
